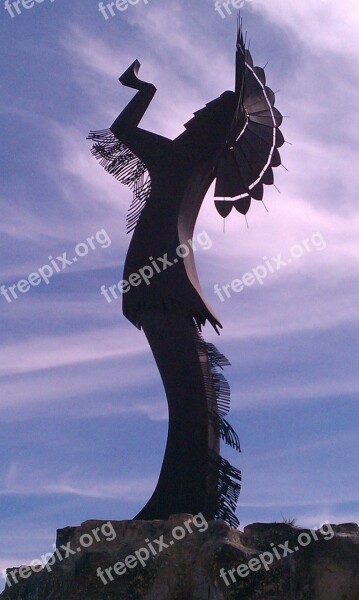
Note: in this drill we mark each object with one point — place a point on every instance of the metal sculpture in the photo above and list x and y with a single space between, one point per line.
233 139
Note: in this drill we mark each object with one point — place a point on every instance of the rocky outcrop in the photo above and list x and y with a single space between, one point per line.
186 558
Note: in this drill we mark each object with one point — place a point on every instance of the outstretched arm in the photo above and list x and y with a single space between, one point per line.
131 116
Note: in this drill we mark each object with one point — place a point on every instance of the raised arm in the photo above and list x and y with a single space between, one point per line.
131 116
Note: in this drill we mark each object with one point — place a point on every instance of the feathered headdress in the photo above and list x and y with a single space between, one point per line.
251 150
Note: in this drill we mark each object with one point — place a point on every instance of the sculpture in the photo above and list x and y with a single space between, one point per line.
235 139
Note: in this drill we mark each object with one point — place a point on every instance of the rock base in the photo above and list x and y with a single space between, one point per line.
186 558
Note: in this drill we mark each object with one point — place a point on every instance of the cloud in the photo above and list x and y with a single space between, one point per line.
317 387
20 481
101 368
328 27
98 391
38 354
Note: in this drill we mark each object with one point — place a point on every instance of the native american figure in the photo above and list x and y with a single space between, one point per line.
233 139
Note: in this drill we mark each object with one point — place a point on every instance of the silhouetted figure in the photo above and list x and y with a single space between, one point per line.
233 139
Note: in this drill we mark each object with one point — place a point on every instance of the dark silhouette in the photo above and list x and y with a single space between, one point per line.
235 139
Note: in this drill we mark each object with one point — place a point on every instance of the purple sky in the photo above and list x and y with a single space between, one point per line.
83 413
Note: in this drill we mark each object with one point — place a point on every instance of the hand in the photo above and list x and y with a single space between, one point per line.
130 78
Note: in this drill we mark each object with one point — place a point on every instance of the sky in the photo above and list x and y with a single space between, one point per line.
83 420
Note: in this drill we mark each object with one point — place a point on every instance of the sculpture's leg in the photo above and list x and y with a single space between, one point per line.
187 482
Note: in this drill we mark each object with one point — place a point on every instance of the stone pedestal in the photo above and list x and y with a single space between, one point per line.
186 558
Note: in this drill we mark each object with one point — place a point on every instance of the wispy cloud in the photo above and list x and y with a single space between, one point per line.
18 481
37 354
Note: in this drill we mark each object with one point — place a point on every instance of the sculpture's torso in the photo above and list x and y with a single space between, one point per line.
181 172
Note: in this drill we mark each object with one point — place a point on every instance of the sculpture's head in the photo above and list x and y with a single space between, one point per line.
240 130
252 139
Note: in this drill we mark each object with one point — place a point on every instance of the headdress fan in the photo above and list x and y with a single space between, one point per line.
251 150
